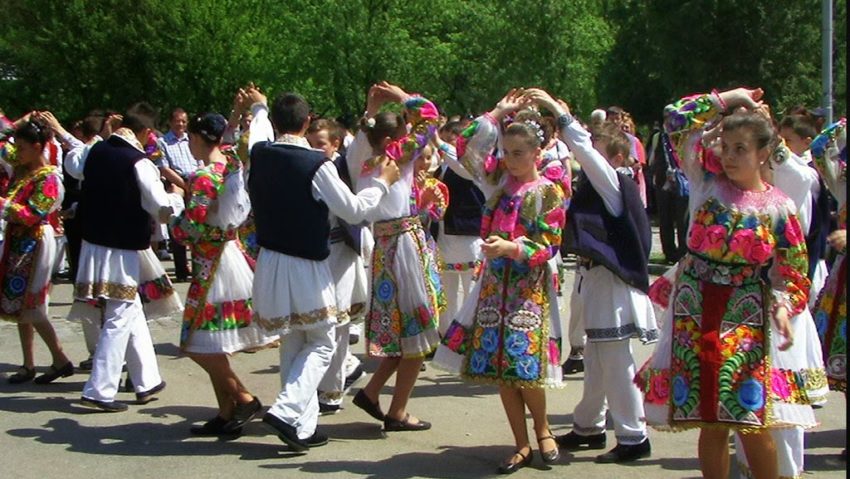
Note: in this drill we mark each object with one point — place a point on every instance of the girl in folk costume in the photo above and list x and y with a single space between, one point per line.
29 248
217 320
715 366
507 332
401 326
829 151
791 173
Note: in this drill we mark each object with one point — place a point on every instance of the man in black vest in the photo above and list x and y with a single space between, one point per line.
608 230
121 191
293 191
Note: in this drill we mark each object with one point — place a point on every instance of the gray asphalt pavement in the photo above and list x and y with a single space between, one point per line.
44 433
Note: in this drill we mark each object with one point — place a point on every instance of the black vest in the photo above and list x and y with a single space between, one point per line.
350 233
818 228
619 243
110 209
463 215
288 219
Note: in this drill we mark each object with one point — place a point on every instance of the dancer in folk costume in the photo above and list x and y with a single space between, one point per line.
717 365
118 270
349 274
218 320
794 176
29 249
401 326
608 230
507 332
293 190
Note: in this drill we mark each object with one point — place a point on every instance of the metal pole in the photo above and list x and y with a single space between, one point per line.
826 62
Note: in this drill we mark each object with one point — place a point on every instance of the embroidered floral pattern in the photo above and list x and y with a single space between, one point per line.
26 207
393 331
207 243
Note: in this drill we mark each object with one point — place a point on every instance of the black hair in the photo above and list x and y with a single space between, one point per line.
387 124
209 126
91 126
289 113
803 124
140 116
454 127
33 132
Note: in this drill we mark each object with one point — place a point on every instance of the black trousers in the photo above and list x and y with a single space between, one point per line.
178 251
673 222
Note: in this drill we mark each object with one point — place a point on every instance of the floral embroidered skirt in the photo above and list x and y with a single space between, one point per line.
507 332
831 322
406 292
27 264
219 314
717 362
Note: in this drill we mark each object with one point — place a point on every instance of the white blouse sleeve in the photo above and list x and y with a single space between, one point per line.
261 127
351 208
160 205
602 175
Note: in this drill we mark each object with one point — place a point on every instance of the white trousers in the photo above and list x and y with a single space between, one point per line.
457 285
610 382
332 385
575 329
789 452
304 359
124 337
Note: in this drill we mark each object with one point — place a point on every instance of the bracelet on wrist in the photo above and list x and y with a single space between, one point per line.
720 101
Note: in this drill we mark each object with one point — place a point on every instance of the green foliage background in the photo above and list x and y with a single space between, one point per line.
73 55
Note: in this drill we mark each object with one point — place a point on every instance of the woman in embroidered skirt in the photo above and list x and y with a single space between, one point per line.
217 320
744 276
29 248
507 332
401 326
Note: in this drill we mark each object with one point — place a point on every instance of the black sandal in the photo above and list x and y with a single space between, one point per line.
509 467
53 373
551 455
22 375
405 424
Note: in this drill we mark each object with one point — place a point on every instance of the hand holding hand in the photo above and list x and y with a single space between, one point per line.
745 97
389 172
544 99
497 247
253 95
48 119
512 101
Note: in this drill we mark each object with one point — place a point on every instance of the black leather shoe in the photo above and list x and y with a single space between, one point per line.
148 396
509 467
53 374
242 414
86 364
573 366
405 424
317 440
214 427
22 375
288 434
327 409
572 441
112 406
552 455
625 453
353 378
373 409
